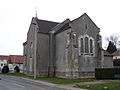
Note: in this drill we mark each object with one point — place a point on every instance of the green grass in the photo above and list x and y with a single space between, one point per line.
64 81
110 85
52 80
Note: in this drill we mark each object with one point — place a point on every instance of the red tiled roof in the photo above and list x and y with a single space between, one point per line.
18 59
116 53
107 53
4 57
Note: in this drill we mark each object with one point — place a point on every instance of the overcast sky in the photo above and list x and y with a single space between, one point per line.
16 15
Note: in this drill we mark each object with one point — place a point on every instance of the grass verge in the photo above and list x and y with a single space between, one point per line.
64 81
109 85
52 80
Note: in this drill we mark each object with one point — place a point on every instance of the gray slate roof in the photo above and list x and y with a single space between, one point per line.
45 26
62 26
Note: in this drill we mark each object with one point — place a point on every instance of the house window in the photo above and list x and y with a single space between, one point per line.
86 45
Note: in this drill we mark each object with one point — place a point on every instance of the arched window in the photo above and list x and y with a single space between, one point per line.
81 46
91 46
86 45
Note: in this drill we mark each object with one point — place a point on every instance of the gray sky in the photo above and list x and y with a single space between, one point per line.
16 15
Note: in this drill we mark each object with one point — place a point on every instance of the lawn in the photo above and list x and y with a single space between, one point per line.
64 81
109 85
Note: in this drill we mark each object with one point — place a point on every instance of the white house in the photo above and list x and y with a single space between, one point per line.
3 61
12 61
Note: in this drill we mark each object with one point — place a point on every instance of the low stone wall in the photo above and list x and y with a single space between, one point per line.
79 75
87 74
60 74
64 74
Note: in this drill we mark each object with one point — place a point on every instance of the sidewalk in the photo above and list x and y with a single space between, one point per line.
53 85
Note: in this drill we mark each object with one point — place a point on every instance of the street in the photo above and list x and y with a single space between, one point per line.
17 83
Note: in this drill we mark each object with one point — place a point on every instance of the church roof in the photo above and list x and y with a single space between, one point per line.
45 26
61 26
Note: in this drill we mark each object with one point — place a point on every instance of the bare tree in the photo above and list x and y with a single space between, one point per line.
114 38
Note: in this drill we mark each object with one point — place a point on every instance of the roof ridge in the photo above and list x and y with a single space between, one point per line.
45 26
46 20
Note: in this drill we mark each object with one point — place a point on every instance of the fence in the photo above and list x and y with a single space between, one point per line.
107 73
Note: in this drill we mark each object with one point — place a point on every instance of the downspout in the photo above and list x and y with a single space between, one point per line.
49 55
54 55
51 66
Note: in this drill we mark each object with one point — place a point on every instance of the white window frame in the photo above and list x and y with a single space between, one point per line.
79 45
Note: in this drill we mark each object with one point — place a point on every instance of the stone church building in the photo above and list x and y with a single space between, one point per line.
70 49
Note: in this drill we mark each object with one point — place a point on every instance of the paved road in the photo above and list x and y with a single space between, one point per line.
15 83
